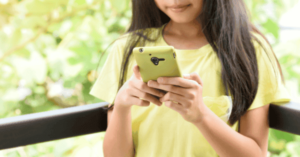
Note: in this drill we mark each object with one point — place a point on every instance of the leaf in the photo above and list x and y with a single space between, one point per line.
3 38
38 7
119 5
83 151
92 75
72 70
62 146
46 107
290 47
12 40
57 61
65 28
277 145
24 53
293 148
7 108
33 22
26 109
46 42
280 135
33 70
11 95
272 27
77 2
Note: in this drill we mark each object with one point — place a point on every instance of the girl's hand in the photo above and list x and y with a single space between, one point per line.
186 91
134 89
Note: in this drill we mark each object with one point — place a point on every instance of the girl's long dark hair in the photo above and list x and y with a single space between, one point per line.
227 28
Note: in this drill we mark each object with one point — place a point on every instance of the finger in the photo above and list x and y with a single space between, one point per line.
168 88
174 97
142 86
136 72
180 109
140 94
194 76
139 102
178 81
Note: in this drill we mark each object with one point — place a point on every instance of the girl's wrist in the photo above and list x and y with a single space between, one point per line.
122 108
204 110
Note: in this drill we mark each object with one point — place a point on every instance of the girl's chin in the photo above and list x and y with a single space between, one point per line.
184 17
181 20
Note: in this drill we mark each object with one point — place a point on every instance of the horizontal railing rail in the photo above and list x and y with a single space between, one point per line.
74 121
285 117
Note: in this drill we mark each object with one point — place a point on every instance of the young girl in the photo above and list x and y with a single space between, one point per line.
222 55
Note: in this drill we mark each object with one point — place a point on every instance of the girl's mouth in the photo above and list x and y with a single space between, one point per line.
179 8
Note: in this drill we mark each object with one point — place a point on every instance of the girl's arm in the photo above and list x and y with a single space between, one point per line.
187 92
252 140
118 140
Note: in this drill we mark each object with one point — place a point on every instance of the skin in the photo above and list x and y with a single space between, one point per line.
184 95
252 139
119 132
183 31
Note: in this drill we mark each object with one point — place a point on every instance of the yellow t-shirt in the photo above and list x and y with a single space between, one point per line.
161 131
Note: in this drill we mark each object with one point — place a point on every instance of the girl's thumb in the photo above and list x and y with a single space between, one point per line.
136 72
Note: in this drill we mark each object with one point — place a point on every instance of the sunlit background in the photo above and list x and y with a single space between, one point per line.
49 51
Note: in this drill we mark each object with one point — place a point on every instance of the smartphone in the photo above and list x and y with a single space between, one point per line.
156 61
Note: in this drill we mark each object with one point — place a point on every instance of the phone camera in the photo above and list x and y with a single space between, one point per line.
174 55
141 50
155 60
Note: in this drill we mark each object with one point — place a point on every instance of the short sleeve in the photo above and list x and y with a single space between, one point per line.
106 85
271 89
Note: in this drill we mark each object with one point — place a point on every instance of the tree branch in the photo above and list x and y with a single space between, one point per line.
18 47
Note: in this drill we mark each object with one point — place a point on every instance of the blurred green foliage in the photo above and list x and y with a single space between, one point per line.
49 53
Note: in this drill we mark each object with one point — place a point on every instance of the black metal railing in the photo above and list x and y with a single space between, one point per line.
80 120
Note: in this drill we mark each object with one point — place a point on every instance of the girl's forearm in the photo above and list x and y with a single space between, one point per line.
224 140
118 140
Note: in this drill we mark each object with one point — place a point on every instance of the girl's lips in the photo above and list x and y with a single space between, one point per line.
179 8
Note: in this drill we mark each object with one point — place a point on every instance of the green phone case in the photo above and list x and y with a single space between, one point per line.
155 62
